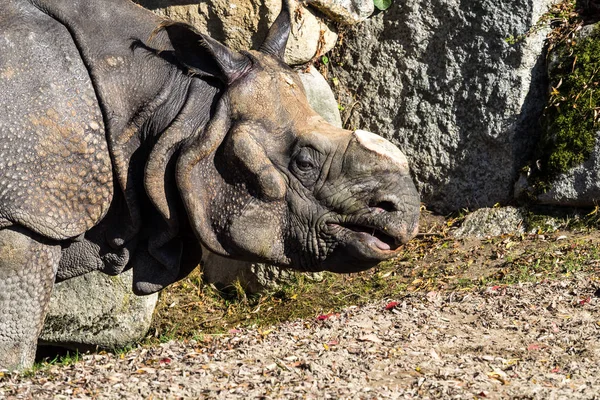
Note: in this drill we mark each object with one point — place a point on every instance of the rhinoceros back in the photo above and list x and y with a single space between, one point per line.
55 168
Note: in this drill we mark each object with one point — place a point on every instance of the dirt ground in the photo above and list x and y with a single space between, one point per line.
508 317
535 340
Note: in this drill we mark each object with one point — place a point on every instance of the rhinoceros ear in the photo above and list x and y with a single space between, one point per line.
279 33
203 55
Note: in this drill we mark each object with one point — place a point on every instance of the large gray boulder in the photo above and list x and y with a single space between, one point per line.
97 310
439 79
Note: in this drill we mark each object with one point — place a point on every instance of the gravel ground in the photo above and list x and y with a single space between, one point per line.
537 341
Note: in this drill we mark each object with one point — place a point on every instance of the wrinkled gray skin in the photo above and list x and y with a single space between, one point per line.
125 140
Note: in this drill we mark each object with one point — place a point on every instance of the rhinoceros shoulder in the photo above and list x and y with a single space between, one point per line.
56 170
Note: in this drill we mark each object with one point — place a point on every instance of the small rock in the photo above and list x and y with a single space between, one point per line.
310 37
347 12
579 187
489 222
320 96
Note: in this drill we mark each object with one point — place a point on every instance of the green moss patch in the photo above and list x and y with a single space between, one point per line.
572 115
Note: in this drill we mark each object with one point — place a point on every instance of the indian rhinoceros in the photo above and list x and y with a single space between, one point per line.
128 141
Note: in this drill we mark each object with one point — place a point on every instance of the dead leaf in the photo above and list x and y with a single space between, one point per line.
585 301
145 370
534 346
370 338
499 375
434 354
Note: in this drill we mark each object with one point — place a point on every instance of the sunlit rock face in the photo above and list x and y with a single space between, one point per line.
440 80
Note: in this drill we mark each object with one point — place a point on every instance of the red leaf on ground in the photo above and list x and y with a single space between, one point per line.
555 370
391 305
585 301
534 346
325 316
165 361
495 287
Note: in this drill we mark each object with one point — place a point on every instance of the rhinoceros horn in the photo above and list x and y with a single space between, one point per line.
279 33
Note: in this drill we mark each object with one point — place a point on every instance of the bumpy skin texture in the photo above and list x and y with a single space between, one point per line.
56 170
126 141
27 267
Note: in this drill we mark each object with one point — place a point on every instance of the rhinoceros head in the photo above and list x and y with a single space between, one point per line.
270 180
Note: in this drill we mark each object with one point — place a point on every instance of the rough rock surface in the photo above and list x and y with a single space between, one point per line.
533 341
439 79
97 310
580 187
243 24
490 222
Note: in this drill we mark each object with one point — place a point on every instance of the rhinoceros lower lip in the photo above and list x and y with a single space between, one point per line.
371 236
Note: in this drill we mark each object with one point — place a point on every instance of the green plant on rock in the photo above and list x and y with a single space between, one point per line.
571 119
382 5
564 19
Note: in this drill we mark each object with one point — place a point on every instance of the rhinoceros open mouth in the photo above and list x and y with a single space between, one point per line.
373 241
362 243
373 236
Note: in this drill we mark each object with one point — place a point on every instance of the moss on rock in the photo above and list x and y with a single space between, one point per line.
571 118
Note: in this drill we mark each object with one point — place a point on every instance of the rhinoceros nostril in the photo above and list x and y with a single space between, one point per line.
384 205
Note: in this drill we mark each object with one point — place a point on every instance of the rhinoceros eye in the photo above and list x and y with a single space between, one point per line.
304 160
305 165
